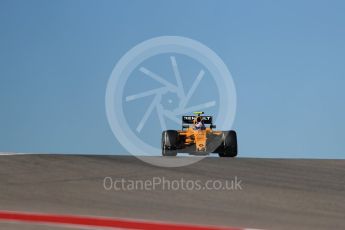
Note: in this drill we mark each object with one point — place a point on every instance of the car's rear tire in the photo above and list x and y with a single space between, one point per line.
169 142
229 144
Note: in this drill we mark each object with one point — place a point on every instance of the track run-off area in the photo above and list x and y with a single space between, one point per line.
49 191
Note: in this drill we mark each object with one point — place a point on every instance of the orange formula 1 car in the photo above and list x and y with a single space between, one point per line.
198 137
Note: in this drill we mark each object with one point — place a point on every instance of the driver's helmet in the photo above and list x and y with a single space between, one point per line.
199 124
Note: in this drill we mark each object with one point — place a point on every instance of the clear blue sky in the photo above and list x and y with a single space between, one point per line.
287 59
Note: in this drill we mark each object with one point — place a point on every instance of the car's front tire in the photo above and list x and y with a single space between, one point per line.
229 144
169 142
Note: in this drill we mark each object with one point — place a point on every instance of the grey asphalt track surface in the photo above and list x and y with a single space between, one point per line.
275 194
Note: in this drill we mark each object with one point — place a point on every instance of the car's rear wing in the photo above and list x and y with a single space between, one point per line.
189 119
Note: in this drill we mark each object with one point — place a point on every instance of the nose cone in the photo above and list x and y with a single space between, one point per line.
200 140
201 147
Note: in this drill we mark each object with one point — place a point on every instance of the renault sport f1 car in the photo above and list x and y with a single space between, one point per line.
198 137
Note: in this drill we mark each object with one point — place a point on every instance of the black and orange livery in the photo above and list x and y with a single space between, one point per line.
198 137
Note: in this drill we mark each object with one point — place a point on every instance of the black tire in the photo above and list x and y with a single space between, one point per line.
229 145
169 142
